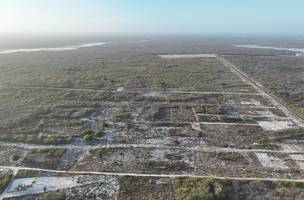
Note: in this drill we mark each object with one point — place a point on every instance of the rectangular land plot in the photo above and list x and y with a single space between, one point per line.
282 75
188 56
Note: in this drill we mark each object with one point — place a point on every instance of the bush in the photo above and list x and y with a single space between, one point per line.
90 135
104 124
40 124
87 132
88 138
15 157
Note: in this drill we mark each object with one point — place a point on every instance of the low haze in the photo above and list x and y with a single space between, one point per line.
158 16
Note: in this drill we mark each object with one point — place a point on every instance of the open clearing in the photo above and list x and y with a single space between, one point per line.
188 56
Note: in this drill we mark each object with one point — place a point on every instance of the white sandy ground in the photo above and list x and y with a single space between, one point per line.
188 56
37 185
273 118
270 161
275 125
196 126
251 102
155 94
103 184
53 49
291 147
120 89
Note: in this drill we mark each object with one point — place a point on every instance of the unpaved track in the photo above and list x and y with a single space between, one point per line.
147 175
260 89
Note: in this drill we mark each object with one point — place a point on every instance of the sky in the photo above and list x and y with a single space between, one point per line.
152 16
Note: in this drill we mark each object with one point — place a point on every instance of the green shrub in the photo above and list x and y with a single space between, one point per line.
89 135
104 125
87 132
88 138
40 124
15 157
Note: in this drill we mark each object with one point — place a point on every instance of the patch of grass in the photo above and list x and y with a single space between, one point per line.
272 136
4 180
89 135
49 152
40 124
159 165
27 174
54 195
33 173
44 158
144 188
222 189
287 134
198 188
37 139
288 183
55 139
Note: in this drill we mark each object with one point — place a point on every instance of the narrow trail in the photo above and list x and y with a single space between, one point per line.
147 175
260 89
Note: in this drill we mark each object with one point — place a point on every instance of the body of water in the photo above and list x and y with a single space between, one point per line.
63 48
253 46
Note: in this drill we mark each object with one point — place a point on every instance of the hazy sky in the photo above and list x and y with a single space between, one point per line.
152 16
